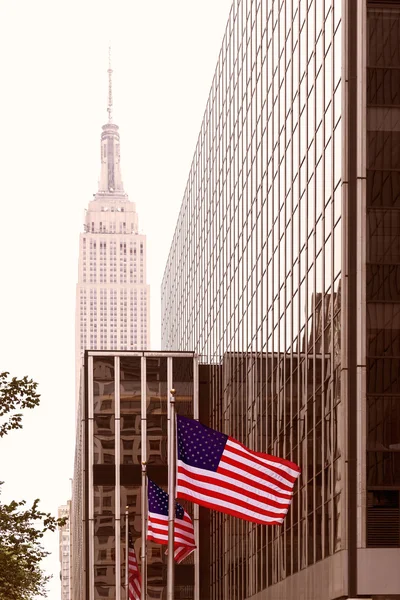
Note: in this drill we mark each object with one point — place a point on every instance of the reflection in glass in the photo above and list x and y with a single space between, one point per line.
103 386
130 382
253 281
104 500
156 403
104 473
104 556
104 439
130 410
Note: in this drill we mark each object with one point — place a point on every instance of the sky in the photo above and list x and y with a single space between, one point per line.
53 101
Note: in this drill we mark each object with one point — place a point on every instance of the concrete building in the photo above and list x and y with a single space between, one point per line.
283 277
112 295
123 415
65 552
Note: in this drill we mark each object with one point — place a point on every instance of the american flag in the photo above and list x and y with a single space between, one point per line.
134 581
217 471
157 528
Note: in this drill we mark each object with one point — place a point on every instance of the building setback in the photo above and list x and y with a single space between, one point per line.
283 276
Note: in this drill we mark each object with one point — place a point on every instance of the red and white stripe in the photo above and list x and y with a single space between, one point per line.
184 542
134 582
250 485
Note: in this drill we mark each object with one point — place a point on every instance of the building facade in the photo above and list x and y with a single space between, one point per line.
123 416
65 551
112 296
112 312
282 276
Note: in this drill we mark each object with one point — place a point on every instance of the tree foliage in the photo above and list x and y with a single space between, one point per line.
15 395
21 528
21 531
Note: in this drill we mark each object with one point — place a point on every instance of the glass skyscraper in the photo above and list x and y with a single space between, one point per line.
283 277
122 421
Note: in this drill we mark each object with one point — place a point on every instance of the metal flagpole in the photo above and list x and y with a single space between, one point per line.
127 552
144 532
143 442
171 492
196 514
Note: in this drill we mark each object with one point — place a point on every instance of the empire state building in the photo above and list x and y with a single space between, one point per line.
112 296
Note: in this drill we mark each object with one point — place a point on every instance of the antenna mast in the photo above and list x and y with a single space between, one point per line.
109 109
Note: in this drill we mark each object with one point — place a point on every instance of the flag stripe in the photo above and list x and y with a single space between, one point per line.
158 530
157 535
242 482
229 493
258 484
251 473
159 527
181 524
225 478
157 523
134 589
161 537
229 501
182 552
274 473
134 580
254 517
286 466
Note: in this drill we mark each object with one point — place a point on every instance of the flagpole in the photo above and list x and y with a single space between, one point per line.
171 503
144 531
127 552
196 514
143 443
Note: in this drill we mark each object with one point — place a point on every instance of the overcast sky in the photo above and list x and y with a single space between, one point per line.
53 100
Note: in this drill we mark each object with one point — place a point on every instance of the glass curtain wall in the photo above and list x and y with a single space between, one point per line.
253 278
104 478
129 392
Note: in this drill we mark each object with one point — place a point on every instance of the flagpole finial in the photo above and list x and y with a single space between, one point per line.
127 507
173 392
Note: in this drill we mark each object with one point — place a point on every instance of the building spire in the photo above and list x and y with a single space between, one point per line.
110 175
109 109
